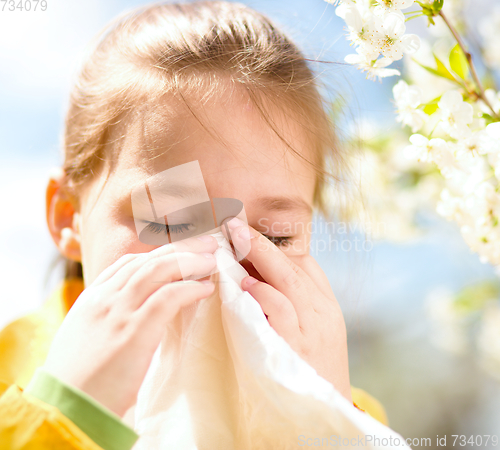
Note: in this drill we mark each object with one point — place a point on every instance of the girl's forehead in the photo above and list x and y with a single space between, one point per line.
220 133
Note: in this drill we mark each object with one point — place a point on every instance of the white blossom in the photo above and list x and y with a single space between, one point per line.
374 69
376 35
484 141
467 173
433 150
358 19
392 5
466 146
388 36
449 205
477 211
408 99
456 114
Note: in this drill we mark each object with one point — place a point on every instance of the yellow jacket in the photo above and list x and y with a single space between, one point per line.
28 423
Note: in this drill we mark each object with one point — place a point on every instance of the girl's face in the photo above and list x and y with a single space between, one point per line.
275 186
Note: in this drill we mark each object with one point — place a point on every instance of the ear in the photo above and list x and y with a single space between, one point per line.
62 218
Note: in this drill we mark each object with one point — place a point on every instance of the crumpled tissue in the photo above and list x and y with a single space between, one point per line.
223 379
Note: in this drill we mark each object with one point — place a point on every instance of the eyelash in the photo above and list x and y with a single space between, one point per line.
156 227
281 241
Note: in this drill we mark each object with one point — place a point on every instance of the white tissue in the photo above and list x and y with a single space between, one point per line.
223 379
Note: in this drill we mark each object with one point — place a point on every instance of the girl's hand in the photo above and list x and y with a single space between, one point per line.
107 340
299 304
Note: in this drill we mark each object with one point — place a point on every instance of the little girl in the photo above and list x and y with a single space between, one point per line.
164 85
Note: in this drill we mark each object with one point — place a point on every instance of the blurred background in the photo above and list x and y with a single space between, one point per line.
436 371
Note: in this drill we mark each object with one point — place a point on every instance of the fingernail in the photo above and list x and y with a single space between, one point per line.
250 280
206 238
245 234
234 223
209 256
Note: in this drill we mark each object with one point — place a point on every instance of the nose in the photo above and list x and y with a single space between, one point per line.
252 271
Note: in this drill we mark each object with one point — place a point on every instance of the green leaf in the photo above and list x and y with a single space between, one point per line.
489 119
475 297
431 9
432 106
458 62
443 70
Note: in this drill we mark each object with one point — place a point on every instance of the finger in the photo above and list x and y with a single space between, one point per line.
277 307
155 273
110 271
310 266
197 244
163 305
274 266
128 264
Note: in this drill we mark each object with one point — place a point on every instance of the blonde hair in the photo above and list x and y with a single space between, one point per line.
183 48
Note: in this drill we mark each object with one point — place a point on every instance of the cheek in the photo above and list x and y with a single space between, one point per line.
106 241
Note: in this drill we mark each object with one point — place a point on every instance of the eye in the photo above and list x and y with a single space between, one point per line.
156 227
281 241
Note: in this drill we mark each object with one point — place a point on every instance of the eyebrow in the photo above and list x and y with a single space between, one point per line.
167 192
177 190
283 203
270 203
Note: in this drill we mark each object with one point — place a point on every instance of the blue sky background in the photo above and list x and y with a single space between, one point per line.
381 291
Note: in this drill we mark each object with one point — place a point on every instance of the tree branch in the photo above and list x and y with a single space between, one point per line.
481 94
